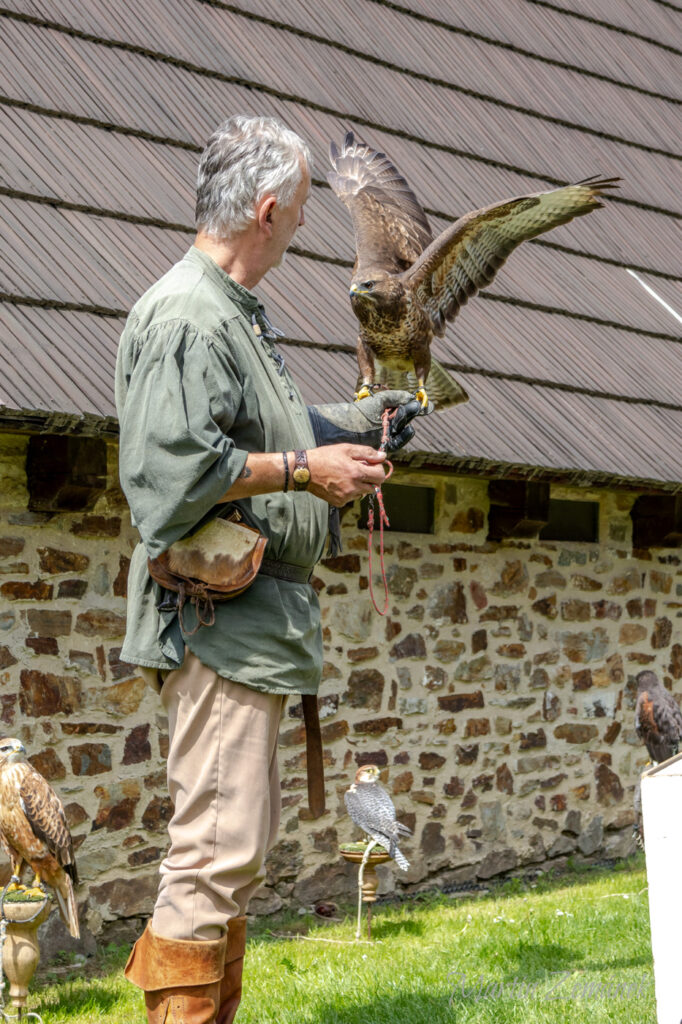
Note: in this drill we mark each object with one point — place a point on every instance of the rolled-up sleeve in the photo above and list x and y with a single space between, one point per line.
175 460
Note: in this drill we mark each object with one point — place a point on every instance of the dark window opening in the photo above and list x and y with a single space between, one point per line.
571 520
409 509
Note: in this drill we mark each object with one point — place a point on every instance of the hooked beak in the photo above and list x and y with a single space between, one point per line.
355 289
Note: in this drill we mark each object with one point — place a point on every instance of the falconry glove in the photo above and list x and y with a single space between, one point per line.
361 422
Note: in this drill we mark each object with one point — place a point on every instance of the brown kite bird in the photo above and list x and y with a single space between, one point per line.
406 284
658 719
33 828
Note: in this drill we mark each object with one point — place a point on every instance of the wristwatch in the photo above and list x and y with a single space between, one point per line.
301 474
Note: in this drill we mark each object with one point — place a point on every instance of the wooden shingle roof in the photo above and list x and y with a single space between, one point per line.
573 367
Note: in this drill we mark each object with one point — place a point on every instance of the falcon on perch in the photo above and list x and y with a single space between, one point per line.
370 807
406 284
658 719
33 828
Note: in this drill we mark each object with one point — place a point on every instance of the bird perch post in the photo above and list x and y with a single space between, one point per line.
367 857
19 923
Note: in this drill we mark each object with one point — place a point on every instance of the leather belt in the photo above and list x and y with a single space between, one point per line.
311 717
286 571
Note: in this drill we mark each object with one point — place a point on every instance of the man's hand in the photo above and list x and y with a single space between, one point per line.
340 473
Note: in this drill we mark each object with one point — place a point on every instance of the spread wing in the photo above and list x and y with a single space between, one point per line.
468 254
391 228
45 814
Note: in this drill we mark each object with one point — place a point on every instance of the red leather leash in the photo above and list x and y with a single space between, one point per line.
386 418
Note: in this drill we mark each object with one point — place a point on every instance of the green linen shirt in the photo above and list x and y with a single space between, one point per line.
196 390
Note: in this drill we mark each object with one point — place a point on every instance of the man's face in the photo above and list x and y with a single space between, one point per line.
286 220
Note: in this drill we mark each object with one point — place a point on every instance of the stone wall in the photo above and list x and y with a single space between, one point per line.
497 694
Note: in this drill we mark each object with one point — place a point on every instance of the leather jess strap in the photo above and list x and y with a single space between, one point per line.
313 749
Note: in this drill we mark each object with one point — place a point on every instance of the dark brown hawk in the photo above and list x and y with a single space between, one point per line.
658 719
33 828
406 284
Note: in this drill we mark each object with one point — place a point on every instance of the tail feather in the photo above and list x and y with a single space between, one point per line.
68 909
401 860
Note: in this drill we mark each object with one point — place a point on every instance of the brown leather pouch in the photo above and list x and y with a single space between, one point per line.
216 563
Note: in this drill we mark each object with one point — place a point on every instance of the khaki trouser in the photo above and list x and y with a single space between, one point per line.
224 784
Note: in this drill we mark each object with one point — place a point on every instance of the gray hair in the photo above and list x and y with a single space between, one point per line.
245 159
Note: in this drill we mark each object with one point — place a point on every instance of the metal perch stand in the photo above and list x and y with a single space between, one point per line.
19 951
368 882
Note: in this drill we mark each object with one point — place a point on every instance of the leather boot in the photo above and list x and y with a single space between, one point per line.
231 985
180 977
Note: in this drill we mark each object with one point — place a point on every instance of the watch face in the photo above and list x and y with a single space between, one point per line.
301 475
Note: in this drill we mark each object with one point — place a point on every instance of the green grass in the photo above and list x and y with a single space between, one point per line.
433 959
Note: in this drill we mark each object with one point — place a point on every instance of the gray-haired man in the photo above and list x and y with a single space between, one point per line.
209 414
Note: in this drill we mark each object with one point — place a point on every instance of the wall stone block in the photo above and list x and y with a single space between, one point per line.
137 746
117 805
365 688
575 733
377 726
42 693
411 646
21 590
48 763
97 526
401 580
461 701
102 623
448 602
54 561
90 759
466 754
157 814
609 787
10 546
49 622
662 633
7 659
74 589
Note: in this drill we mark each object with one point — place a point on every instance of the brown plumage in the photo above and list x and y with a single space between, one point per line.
658 719
406 285
33 828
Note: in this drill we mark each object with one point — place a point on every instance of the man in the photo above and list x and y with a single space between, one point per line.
209 414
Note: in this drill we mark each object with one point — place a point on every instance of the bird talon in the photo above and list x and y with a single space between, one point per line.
15 885
36 892
364 392
422 397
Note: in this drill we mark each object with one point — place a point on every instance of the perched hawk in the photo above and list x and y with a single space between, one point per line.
370 807
33 829
406 284
658 719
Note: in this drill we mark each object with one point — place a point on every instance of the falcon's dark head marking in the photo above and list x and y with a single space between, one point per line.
367 773
382 295
647 680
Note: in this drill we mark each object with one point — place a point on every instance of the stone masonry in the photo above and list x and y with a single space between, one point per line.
497 694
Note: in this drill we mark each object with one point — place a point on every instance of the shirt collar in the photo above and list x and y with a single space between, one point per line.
237 292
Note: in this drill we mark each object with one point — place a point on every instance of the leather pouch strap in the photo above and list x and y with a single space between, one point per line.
313 748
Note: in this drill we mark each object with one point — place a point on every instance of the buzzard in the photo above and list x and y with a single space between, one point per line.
33 828
370 807
658 719
406 284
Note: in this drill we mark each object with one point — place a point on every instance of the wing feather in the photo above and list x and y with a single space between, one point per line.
391 228
467 255
45 814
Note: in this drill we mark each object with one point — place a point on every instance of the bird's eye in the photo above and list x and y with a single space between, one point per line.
368 285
